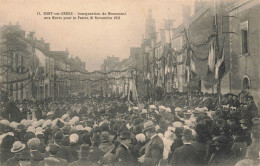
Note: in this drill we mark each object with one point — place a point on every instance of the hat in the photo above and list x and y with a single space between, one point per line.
144 111
204 109
52 148
75 119
14 125
46 124
58 136
177 124
157 112
187 115
49 113
125 135
38 129
38 133
177 109
79 127
152 106
243 121
17 146
135 108
65 117
104 136
148 125
33 143
74 138
60 123
5 122
41 121
71 122
140 137
84 148
35 124
31 129
256 120
161 135
97 128
168 109
161 107
220 140
21 127
157 127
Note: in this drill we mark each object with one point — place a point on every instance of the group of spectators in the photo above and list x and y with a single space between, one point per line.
181 130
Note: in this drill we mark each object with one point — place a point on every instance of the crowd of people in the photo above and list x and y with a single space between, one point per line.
181 130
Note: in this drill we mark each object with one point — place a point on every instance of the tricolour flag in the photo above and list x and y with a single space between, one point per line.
211 58
220 66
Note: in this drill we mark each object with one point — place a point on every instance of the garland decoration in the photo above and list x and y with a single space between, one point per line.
96 80
16 89
95 72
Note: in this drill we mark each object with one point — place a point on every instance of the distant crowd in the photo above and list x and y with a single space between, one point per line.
181 130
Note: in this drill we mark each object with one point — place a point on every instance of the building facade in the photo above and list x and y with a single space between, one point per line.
244 47
29 69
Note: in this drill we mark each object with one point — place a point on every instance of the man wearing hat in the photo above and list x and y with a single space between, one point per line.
186 154
35 155
83 157
95 154
123 154
52 149
17 148
64 151
154 148
106 145
253 150
221 155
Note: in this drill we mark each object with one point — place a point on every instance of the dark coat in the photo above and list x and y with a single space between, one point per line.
52 160
35 158
5 154
137 149
83 162
64 153
12 111
176 144
74 151
13 161
123 156
201 149
252 151
95 154
185 155
153 151
220 158
106 147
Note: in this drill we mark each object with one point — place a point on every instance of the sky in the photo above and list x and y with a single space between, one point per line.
91 40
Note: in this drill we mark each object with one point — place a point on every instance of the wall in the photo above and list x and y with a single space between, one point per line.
246 64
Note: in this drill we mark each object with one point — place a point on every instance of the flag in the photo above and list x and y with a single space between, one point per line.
192 63
220 66
211 58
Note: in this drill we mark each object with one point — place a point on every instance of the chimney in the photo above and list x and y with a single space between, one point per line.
42 40
47 46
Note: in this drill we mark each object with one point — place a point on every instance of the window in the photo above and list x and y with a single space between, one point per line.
244 41
244 33
246 83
